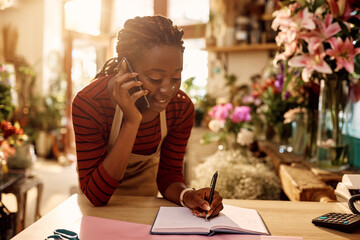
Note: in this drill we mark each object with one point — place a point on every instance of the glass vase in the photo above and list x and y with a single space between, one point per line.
298 133
283 134
311 134
332 149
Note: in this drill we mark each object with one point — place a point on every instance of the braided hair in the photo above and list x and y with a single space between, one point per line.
140 34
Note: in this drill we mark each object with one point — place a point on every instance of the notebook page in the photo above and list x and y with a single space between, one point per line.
172 218
244 218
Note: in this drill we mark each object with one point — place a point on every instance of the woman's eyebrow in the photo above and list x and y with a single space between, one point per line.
161 70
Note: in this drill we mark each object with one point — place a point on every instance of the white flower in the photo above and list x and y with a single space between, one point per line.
245 137
289 116
216 125
241 176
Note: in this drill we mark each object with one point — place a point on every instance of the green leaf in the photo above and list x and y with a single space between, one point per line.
210 137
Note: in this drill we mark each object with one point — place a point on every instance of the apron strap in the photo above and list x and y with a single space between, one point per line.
115 127
163 127
116 124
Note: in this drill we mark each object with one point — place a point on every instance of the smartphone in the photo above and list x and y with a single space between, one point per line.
142 103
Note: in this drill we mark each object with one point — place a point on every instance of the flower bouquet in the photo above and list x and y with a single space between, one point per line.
225 124
319 39
276 101
11 137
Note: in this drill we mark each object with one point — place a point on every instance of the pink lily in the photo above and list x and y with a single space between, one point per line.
286 37
344 53
306 19
283 17
326 30
310 63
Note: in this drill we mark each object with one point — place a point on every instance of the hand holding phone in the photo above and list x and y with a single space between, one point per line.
142 103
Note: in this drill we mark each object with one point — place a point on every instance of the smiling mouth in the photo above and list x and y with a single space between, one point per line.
162 101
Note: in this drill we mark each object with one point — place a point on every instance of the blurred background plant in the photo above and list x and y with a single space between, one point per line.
6 104
202 102
13 134
16 144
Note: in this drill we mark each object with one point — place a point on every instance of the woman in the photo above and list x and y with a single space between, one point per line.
123 151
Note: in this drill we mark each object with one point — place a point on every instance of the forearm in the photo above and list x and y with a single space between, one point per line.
117 159
173 192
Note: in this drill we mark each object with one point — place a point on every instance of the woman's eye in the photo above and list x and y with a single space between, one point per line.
154 79
177 79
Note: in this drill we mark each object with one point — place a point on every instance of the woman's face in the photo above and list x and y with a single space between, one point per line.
160 70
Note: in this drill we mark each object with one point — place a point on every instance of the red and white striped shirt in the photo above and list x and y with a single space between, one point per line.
93 112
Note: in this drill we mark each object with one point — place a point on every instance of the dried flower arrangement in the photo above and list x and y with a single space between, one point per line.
241 175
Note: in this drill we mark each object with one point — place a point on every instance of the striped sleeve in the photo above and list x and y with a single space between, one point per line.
173 148
89 121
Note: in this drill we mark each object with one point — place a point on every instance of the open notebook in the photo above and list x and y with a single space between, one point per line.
179 220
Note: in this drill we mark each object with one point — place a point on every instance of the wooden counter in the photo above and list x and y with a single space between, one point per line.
283 218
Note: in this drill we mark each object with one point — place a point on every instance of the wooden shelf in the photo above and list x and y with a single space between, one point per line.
267 17
243 48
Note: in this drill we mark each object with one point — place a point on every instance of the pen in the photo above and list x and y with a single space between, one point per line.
212 185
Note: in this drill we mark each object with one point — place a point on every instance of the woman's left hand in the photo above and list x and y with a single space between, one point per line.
198 203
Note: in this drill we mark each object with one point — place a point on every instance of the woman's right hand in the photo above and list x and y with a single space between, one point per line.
122 83
197 202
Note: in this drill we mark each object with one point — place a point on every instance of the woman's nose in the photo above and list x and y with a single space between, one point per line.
167 89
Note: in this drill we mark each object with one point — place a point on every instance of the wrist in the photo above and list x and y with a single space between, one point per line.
182 195
132 124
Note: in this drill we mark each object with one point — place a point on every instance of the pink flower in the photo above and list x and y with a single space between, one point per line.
241 114
282 19
310 63
328 28
221 112
325 30
306 19
248 99
344 53
257 102
289 39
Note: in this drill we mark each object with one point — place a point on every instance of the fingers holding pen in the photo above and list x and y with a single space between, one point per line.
216 205
198 203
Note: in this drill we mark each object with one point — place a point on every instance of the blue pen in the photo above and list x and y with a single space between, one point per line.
212 185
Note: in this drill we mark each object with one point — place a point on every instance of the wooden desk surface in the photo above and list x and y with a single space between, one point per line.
283 218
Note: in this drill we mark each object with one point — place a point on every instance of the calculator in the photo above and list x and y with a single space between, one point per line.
345 222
